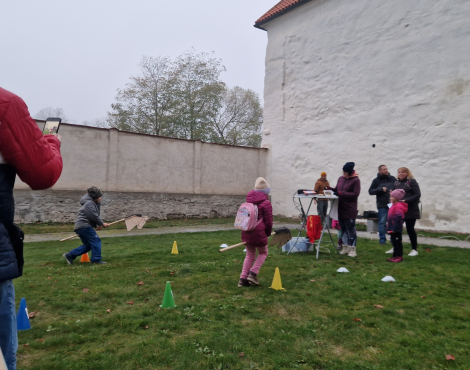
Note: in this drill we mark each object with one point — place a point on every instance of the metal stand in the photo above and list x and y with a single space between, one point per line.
305 216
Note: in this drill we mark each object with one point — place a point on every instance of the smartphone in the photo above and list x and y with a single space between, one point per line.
51 126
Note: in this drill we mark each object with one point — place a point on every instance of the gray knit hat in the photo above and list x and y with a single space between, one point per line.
94 192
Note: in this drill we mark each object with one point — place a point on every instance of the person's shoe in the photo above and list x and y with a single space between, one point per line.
391 259
352 252
413 253
345 250
397 259
383 243
252 278
390 251
243 282
68 259
98 263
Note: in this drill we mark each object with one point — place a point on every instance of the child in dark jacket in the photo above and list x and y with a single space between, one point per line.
395 218
88 219
257 239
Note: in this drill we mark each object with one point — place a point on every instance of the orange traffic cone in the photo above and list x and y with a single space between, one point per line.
85 258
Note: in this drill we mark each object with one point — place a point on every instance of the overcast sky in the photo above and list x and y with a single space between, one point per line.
76 54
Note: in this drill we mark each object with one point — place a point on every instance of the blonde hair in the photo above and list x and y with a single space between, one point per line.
408 172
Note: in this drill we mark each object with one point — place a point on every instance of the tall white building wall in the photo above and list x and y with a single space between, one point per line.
343 76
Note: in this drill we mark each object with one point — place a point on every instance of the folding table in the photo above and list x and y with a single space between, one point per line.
310 199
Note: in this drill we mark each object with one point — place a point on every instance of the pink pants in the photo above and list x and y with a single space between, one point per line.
250 257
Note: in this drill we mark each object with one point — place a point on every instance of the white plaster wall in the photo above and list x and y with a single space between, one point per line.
343 75
125 162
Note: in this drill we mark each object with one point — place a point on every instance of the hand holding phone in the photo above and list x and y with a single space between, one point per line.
52 126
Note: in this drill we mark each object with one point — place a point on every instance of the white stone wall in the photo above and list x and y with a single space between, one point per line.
344 75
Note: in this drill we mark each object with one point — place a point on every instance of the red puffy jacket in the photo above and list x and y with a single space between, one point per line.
36 158
259 236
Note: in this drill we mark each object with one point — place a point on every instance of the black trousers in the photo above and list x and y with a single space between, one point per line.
348 227
410 229
397 244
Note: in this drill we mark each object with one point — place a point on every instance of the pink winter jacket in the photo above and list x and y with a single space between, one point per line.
259 236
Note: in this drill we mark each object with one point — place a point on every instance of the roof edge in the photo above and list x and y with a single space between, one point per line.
262 21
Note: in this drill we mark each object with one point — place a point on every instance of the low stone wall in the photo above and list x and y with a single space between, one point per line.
63 205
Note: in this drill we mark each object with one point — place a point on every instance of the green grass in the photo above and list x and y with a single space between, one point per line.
310 325
56 227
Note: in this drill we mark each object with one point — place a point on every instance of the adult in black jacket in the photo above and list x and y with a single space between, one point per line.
412 197
381 187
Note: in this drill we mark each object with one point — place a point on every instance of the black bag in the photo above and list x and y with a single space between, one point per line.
17 239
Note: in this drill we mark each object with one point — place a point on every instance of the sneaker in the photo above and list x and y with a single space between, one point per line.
391 259
383 243
397 259
390 251
345 250
352 252
98 263
252 278
413 253
68 259
243 282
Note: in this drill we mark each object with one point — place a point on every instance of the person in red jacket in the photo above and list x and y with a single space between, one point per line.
396 217
257 239
36 159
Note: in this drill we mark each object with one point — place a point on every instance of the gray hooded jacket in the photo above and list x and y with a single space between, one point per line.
89 214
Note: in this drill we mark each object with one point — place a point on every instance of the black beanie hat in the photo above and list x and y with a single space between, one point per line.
94 192
349 167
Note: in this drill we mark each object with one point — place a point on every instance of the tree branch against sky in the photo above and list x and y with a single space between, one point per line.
185 98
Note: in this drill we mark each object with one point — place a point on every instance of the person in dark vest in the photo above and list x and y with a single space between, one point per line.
381 187
36 159
407 182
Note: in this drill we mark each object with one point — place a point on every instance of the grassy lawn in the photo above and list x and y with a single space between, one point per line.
313 324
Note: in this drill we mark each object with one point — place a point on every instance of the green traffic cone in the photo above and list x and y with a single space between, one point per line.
168 301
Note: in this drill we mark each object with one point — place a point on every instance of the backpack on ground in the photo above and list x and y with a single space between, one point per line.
247 217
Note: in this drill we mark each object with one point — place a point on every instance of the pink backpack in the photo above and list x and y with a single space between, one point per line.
247 217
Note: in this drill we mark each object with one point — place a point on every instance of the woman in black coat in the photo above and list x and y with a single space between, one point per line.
406 182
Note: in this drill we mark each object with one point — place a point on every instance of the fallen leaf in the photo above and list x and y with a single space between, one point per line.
172 273
41 340
49 277
146 270
108 310
85 290
26 345
450 357
308 294
423 296
378 306
241 354
432 307
334 274
140 304
312 281
357 319
32 314
130 302
428 249
146 326
203 250
237 261
362 326
140 283
146 299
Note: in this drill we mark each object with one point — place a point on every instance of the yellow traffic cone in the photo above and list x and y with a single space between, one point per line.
174 250
277 285
85 258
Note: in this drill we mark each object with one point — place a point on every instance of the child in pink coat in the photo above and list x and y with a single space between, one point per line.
396 215
257 239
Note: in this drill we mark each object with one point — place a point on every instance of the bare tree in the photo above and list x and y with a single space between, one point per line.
238 119
45 113
97 122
